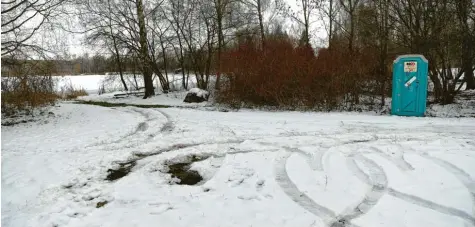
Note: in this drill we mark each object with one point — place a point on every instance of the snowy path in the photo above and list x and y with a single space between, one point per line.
264 169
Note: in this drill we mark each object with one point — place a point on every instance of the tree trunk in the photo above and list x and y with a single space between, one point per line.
463 11
330 17
219 16
182 59
165 61
384 49
352 32
119 64
116 50
467 64
144 54
261 23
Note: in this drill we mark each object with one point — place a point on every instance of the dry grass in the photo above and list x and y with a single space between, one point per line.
73 94
68 91
23 94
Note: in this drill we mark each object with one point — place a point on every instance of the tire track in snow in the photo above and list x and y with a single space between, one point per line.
378 183
360 174
398 159
460 174
169 125
141 127
377 180
431 205
315 162
291 190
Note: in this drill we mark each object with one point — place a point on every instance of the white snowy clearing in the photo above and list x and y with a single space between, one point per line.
258 168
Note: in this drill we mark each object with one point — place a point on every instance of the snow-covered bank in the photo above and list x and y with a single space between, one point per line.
264 169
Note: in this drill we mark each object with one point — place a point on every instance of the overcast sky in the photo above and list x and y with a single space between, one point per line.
74 43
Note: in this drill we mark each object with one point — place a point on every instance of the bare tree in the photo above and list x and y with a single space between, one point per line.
21 20
178 15
464 9
259 7
350 6
144 52
101 23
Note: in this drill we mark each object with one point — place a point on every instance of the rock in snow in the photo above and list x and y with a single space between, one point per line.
196 95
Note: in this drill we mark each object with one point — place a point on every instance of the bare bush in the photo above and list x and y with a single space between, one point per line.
294 77
30 86
68 91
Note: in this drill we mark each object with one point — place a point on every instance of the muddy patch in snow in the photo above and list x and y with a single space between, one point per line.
182 173
122 171
101 204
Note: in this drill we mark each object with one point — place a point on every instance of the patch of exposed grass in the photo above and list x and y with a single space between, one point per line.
182 171
109 104
101 204
122 171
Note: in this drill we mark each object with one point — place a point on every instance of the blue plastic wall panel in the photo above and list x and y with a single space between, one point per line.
409 92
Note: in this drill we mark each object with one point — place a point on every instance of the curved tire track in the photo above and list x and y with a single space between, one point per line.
460 174
141 127
360 174
377 180
398 160
291 190
378 183
169 125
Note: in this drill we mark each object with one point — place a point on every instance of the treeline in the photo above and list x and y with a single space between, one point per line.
82 65
242 49
364 36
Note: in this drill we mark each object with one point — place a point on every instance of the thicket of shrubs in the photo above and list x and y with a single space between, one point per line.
33 86
23 94
291 76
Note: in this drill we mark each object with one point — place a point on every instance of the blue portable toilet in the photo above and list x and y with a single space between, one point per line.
409 94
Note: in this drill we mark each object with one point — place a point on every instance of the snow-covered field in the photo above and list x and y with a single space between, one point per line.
258 168
93 83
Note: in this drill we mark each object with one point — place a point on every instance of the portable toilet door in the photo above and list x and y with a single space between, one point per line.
409 94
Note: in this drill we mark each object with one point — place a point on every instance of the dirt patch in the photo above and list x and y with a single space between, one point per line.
101 204
12 123
182 171
122 171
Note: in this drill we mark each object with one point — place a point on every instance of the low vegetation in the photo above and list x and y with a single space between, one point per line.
285 74
24 92
68 91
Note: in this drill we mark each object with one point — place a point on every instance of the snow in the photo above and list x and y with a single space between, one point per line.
171 99
263 168
199 92
112 83
90 83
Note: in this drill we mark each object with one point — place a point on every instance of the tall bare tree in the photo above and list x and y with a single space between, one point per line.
465 8
144 52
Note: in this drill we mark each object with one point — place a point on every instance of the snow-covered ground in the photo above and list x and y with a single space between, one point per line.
170 99
262 169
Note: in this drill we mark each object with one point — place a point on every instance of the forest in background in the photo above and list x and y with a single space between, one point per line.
244 50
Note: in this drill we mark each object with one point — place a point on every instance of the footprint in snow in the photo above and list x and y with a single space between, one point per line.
160 208
249 197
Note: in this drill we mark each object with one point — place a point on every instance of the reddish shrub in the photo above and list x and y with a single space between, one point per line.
284 75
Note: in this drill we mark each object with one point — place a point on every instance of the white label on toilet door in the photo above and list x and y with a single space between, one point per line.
410 66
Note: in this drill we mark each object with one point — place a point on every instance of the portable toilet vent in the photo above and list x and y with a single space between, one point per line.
409 94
